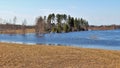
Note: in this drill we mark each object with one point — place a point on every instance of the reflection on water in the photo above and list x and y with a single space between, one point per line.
109 39
94 37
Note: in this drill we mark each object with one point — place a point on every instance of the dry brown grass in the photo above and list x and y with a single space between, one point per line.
19 31
40 56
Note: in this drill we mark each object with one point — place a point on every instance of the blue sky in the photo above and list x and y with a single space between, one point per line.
97 12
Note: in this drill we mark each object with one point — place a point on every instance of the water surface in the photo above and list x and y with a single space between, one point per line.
108 39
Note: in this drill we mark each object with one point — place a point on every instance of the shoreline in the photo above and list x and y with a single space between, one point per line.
74 46
43 56
49 44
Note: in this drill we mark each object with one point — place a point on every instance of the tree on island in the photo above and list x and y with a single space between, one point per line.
60 23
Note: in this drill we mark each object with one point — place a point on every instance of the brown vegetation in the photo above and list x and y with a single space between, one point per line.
18 31
104 27
41 56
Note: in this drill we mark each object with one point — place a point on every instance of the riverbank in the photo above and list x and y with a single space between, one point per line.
41 56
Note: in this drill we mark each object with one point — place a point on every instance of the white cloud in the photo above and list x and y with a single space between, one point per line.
48 11
73 7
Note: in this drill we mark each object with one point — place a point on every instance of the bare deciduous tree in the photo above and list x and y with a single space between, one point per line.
14 22
24 27
40 26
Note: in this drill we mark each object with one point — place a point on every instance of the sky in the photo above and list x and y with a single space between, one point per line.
96 12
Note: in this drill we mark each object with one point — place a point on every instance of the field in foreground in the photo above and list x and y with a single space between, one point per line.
40 56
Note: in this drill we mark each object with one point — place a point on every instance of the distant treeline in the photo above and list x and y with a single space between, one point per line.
55 23
104 27
60 23
14 26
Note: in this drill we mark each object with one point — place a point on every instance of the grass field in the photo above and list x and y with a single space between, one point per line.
41 56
